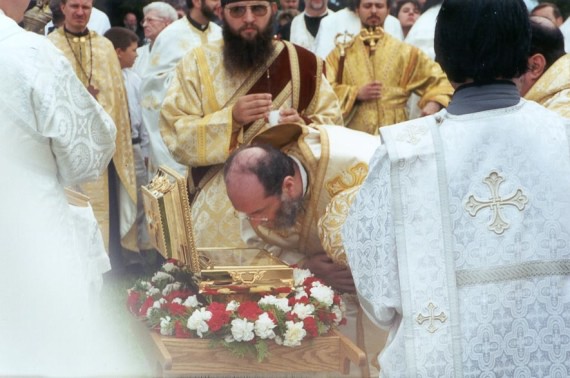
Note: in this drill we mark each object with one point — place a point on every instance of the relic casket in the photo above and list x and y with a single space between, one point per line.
220 270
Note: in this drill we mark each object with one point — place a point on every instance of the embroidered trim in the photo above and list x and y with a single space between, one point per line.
513 272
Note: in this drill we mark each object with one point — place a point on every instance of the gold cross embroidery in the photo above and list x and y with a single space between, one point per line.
421 319
495 203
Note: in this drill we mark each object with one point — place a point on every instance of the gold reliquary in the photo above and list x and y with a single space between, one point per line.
220 270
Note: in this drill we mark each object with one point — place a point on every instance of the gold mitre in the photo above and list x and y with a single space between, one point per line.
36 18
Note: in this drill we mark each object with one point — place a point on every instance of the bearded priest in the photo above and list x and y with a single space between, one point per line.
113 195
221 97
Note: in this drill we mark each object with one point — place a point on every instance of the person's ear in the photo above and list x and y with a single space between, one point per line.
536 66
288 186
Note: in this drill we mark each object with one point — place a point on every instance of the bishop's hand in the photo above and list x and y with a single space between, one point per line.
250 108
337 276
370 91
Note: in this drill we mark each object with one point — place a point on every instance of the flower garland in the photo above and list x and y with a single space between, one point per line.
170 304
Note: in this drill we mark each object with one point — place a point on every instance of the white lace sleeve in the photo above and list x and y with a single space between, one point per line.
370 243
82 135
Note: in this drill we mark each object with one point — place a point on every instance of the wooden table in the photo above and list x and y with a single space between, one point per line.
194 357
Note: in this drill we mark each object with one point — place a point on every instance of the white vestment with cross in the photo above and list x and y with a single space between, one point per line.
459 243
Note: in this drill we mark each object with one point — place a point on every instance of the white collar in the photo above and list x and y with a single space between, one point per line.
303 173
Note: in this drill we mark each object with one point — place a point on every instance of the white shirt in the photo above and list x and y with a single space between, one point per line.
300 35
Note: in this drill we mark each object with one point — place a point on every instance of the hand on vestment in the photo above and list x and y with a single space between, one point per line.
431 107
251 107
337 276
370 91
289 116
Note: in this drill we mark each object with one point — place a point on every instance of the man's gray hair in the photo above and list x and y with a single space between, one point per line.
163 9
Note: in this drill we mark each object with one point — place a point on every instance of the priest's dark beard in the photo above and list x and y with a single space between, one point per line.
241 55
287 214
208 13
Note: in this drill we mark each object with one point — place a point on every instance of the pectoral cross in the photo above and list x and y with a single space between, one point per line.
421 319
94 91
495 203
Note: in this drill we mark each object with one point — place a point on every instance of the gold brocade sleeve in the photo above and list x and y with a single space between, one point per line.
194 138
425 77
345 93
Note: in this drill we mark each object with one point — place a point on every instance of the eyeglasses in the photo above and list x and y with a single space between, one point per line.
151 19
258 10
243 216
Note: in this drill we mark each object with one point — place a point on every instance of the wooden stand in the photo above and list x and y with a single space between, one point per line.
194 357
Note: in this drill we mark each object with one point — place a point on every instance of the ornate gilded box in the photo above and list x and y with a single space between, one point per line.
220 270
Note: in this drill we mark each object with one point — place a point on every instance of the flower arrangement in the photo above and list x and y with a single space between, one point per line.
171 304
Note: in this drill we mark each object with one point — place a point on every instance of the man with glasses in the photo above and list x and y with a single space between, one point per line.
170 46
221 98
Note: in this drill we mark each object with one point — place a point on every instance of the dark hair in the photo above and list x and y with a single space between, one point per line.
120 37
357 4
555 10
401 3
482 39
547 40
271 167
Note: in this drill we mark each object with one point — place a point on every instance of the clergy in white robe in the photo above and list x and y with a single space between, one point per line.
346 20
565 29
171 45
53 134
305 26
458 238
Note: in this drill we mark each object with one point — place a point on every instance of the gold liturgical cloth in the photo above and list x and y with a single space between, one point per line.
221 270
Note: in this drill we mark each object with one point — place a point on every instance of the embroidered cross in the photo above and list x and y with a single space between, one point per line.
495 203
421 319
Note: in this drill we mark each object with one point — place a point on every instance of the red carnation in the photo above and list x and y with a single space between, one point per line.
176 309
249 310
336 299
181 331
145 306
220 317
133 301
310 326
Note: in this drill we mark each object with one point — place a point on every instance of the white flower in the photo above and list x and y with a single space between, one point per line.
152 291
338 313
232 306
278 340
300 293
294 334
158 304
150 311
191 301
197 321
145 285
264 327
242 330
303 310
161 276
281 303
229 339
170 288
177 300
170 267
323 294
299 275
166 326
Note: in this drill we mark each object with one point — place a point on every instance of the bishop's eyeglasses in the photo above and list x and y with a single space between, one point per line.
238 11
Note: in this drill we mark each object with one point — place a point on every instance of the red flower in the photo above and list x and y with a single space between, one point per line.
181 331
308 283
325 316
336 299
133 301
282 290
249 310
145 306
220 317
176 309
310 326
182 294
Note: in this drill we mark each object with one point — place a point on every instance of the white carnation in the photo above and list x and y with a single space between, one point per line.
299 275
166 326
338 313
170 267
159 303
323 294
146 285
281 303
197 321
300 293
177 300
191 301
264 327
303 310
294 334
170 288
152 291
232 306
161 276
242 330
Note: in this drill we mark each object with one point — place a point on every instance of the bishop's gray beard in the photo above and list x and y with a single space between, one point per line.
287 214
241 55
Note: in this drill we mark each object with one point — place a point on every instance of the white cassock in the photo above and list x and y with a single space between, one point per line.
565 29
53 134
142 60
346 20
170 46
459 243
300 34
98 22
